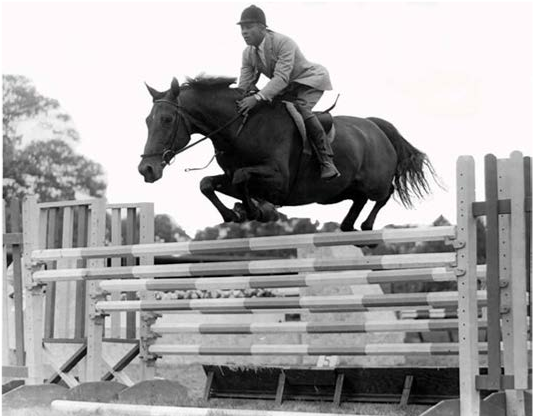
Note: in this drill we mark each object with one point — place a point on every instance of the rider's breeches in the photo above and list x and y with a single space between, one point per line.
305 98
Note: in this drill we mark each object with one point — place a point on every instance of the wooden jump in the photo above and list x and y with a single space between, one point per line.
507 210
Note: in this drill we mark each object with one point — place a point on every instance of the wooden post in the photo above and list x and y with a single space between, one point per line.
147 319
518 276
95 328
131 317
493 273
467 287
33 322
116 240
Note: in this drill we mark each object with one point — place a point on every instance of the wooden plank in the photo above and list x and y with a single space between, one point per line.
14 371
33 313
415 349
146 235
68 365
123 362
62 204
12 238
338 303
116 240
493 271
339 383
256 243
131 226
66 291
467 287
81 290
95 323
49 313
518 258
383 262
504 206
281 388
208 384
18 294
406 392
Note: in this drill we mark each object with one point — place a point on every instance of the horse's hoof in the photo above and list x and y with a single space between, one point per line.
268 213
240 213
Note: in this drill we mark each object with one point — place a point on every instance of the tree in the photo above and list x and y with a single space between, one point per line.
37 141
166 229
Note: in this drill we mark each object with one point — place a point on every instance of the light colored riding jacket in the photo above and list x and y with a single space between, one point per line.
284 64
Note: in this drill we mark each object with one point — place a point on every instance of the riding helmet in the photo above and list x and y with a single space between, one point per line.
252 14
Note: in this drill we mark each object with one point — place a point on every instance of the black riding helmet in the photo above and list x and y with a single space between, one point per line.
252 14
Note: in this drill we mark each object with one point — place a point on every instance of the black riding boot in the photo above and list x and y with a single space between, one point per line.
319 142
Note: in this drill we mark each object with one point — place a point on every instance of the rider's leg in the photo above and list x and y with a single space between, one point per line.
306 98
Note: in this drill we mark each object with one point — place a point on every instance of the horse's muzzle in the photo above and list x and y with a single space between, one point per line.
150 172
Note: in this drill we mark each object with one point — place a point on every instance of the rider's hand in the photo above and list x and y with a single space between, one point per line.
246 104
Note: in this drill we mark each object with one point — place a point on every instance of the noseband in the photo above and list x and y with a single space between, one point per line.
167 156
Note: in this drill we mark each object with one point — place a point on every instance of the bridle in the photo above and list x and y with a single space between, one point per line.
168 154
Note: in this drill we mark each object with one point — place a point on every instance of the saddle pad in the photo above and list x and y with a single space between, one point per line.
299 121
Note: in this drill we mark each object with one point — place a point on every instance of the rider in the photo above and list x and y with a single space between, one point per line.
279 58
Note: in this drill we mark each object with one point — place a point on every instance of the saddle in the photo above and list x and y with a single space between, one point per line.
325 118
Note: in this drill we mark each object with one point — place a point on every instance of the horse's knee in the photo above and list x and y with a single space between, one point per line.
206 186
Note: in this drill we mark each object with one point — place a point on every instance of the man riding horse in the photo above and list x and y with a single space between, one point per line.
279 58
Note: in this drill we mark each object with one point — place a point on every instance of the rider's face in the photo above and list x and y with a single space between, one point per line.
253 33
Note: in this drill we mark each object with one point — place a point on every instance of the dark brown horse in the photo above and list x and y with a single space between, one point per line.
262 159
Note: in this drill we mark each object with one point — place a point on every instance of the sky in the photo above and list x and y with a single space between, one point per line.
456 78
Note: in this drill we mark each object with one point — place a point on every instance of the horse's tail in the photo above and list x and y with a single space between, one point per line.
410 179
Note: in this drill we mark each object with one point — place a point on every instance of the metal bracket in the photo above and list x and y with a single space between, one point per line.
456 244
504 283
459 272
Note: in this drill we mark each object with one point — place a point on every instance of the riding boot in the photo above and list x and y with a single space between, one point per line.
324 153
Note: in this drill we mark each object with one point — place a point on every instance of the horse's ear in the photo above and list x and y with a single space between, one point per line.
154 93
175 87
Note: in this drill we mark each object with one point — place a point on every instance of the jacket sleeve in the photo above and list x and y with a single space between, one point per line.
248 76
286 52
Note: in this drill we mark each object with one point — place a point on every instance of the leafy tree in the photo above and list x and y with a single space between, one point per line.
37 141
166 229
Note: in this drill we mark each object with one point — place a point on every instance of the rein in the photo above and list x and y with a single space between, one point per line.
168 155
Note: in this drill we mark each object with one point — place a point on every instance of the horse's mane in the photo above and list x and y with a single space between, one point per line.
203 82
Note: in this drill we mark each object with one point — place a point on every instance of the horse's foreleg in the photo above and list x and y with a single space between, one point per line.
221 183
267 178
369 222
358 203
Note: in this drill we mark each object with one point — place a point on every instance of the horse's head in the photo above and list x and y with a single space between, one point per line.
167 132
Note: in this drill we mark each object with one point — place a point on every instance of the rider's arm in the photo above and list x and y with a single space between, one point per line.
249 73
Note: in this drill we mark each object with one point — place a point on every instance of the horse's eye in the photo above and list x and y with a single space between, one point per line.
166 119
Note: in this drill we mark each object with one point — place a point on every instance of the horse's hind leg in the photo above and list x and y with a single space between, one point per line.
221 183
358 203
369 222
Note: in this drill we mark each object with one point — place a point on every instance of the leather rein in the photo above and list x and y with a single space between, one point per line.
168 154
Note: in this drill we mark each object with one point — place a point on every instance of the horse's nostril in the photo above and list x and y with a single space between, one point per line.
145 169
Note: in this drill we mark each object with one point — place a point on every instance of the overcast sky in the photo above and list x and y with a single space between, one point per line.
455 78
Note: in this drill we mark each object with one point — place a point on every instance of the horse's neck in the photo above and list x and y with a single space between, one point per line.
208 115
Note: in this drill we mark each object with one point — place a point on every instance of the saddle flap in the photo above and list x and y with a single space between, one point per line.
326 119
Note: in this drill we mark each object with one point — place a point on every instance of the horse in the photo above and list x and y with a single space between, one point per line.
262 159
